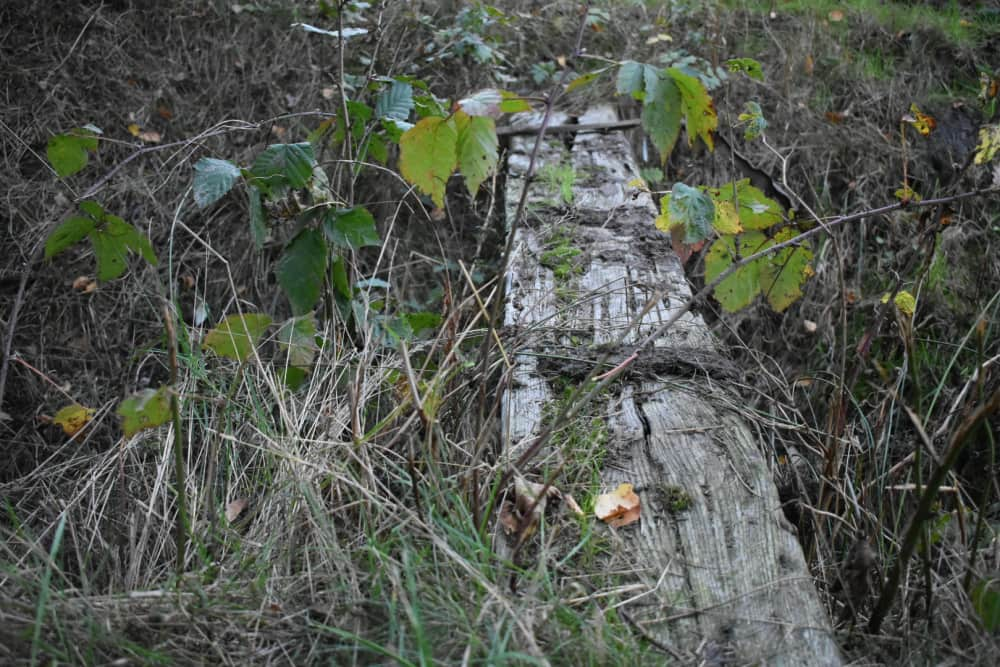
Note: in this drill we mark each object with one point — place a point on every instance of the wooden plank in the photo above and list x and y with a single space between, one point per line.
724 572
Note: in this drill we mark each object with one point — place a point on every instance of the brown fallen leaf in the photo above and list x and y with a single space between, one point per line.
150 137
619 507
235 508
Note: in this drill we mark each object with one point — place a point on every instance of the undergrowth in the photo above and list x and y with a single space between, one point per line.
343 522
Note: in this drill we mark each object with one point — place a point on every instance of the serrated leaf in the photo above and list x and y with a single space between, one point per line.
351 228
258 224
213 179
395 102
112 240
783 273
661 117
290 164
428 154
70 232
738 290
754 120
66 155
73 418
692 209
727 220
630 79
477 149
756 210
297 337
237 335
301 270
748 66
697 107
111 256
145 409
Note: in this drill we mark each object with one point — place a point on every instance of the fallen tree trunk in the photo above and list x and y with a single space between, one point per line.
724 572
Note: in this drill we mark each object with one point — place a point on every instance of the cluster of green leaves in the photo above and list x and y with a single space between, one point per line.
111 237
464 140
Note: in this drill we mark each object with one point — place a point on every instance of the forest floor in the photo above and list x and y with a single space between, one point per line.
348 521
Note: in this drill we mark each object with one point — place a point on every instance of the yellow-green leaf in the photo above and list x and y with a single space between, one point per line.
989 144
739 289
697 107
144 409
477 148
237 335
73 418
428 154
783 273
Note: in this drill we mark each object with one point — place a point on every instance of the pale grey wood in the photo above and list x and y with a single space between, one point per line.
726 575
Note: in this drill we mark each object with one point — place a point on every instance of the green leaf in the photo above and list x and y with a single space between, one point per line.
395 102
738 290
212 179
338 275
697 107
237 335
477 149
986 602
428 155
754 120
630 79
144 409
69 233
351 228
290 164
301 270
513 103
297 337
783 273
756 210
258 225
93 209
748 66
68 153
418 322
693 209
581 81
112 239
661 117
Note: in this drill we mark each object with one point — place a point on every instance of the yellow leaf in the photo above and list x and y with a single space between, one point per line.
989 143
923 123
618 508
133 129
73 418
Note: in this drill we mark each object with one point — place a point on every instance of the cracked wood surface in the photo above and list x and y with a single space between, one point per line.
726 577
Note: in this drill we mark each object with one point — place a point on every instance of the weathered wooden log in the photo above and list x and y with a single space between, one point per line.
724 570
